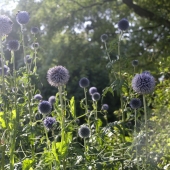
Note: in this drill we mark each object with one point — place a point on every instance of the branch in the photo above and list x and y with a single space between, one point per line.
145 13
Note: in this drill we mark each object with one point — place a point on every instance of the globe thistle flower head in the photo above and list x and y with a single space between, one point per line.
49 122
34 30
22 17
13 45
35 46
38 97
135 103
38 116
52 100
105 107
95 96
135 63
27 59
84 131
123 24
84 82
92 90
143 83
5 25
6 70
57 76
44 107
104 37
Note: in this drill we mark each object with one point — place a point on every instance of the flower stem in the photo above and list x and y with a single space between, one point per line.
146 131
135 134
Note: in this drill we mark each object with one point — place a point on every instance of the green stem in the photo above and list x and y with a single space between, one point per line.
86 106
135 133
146 130
107 51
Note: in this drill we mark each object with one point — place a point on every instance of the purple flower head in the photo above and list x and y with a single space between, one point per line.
6 70
84 131
38 97
143 83
13 45
35 45
135 63
5 25
34 30
95 96
123 24
57 76
52 100
84 82
44 107
92 90
22 17
27 59
135 103
104 37
105 107
49 122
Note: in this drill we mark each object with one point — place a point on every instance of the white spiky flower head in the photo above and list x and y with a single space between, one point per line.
5 25
57 76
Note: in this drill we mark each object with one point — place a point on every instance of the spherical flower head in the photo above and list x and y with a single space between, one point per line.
123 24
95 96
57 76
84 82
35 46
92 90
22 17
27 59
5 25
49 122
52 100
84 131
6 70
105 107
135 103
135 63
13 45
104 37
143 83
34 30
44 107
38 97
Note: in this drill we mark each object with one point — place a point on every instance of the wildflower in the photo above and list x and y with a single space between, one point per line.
95 96
27 59
13 45
38 97
135 103
134 63
34 30
35 46
84 82
52 100
57 76
38 116
84 131
123 24
104 37
6 70
92 90
22 17
49 122
5 25
105 107
44 107
143 83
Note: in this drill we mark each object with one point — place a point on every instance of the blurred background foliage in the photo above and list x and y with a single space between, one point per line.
70 33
